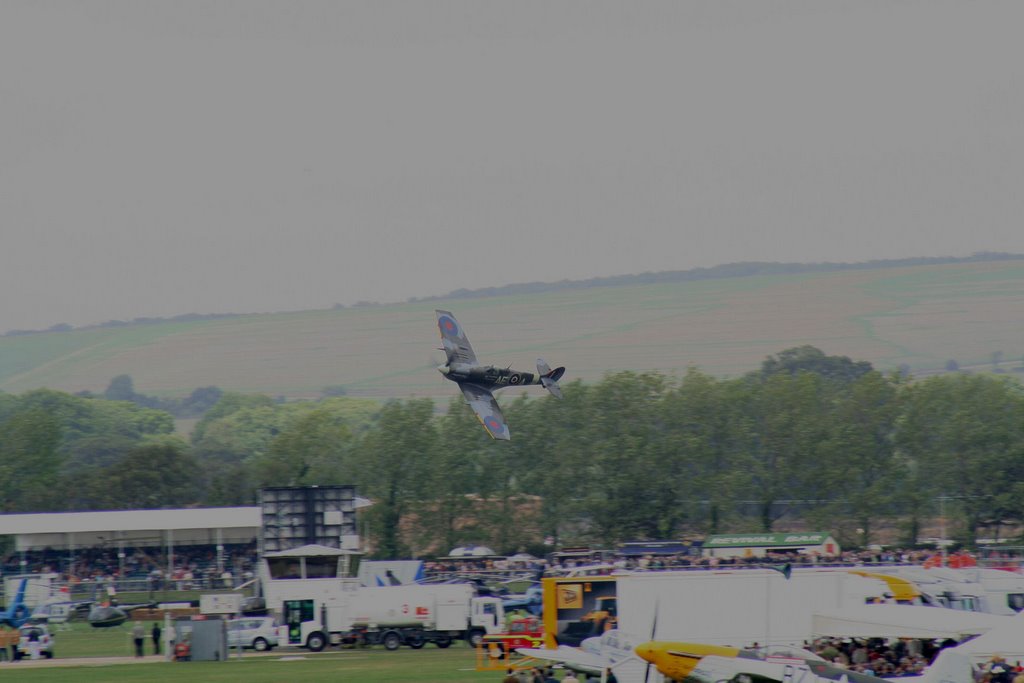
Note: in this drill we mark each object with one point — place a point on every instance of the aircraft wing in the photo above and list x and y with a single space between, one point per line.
453 339
486 408
570 657
713 668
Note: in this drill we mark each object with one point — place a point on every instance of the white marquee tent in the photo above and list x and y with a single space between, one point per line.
904 621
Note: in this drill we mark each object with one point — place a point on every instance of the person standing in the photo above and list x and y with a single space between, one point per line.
33 643
139 634
8 637
156 637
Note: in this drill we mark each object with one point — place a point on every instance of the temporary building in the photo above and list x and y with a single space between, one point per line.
904 621
756 545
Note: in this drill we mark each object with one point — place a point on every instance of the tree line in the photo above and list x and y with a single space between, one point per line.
806 440
725 270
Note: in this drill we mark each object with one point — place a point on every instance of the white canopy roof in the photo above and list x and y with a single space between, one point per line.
312 550
1006 641
132 527
471 551
903 621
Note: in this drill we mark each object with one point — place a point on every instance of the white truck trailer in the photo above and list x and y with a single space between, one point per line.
313 592
738 607
392 616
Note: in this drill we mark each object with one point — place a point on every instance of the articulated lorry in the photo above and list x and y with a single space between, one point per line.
314 592
393 616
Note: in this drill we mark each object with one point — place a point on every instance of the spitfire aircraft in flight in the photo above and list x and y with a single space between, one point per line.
478 381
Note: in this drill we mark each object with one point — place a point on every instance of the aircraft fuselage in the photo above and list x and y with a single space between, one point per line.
488 376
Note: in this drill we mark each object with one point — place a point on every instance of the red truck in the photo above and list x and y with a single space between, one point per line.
525 632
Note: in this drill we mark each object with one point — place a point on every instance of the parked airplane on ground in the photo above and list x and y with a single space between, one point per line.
680 663
677 661
593 656
478 381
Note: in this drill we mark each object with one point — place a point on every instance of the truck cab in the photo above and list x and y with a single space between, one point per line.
487 617
523 632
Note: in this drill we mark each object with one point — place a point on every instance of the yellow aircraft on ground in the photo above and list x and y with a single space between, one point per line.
674 661
677 661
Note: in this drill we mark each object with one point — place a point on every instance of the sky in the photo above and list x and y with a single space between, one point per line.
194 156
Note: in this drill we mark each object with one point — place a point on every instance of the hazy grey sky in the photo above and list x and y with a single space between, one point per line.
159 158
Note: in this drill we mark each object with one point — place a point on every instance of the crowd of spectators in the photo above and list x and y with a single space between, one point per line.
896 657
555 565
889 658
94 569
199 567
793 558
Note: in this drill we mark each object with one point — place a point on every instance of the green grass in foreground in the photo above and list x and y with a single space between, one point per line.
82 640
455 665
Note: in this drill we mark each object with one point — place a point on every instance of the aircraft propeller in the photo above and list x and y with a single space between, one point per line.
654 632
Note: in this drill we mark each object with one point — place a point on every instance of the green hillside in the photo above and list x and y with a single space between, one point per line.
921 316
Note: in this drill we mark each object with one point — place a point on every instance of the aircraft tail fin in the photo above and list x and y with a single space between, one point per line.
549 378
17 611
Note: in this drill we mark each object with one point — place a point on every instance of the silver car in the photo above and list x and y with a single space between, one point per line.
258 633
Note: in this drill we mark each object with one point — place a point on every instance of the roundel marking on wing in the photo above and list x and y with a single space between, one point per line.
493 423
448 325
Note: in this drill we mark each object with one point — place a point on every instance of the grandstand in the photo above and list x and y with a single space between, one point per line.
127 543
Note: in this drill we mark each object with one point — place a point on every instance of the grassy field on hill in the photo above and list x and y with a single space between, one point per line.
921 316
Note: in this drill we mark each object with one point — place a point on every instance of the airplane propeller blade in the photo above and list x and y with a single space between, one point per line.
654 632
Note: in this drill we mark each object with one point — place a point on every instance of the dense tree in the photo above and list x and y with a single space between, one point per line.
154 475
860 468
811 359
313 449
51 443
965 439
453 482
558 444
699 471
818 439
200 401
392 468
781 429
622 467
121 388
30 460
230 402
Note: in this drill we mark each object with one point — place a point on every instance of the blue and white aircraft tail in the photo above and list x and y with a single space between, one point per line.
17 612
